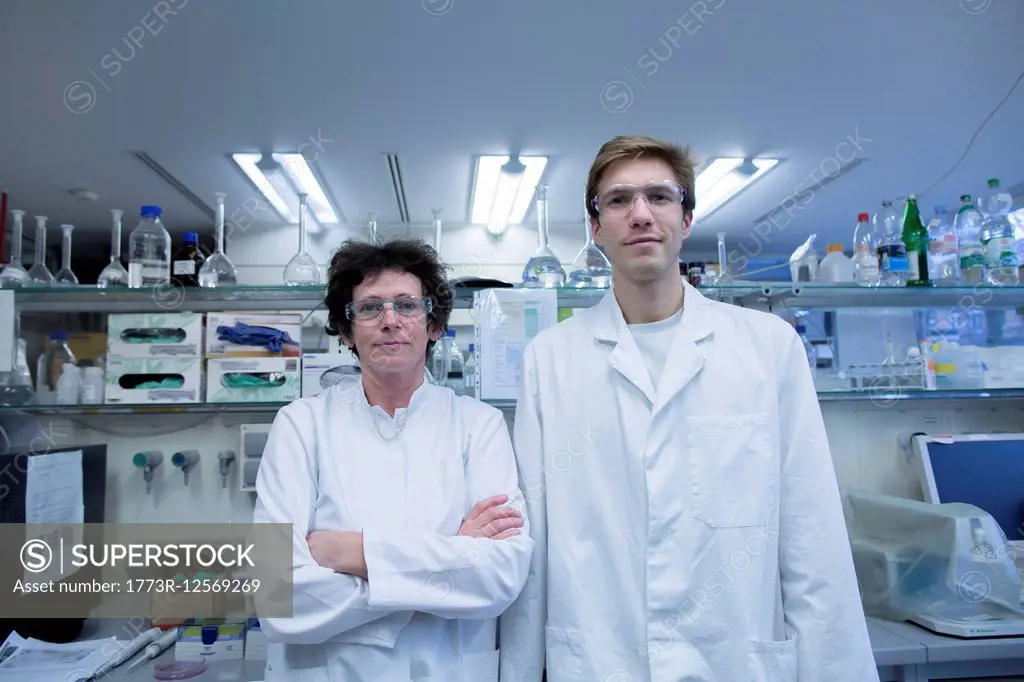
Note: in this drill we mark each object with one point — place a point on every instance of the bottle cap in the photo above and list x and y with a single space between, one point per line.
965 197
58 336
154 211
993 182
801 329
861 217
191 238
834 248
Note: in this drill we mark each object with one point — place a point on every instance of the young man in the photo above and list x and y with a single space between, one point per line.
679 485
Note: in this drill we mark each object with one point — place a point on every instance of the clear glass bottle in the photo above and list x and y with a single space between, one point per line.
438 233
65 277
149 251
865 257
39 274
998 236
114 275
49 365
943 249
968 233
590 269
302 269
13 275
218 270
887 235
371 229
544 269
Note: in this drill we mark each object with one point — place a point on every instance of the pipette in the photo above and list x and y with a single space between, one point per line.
155 649
128 650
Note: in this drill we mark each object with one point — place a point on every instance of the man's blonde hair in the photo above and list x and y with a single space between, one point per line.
629 147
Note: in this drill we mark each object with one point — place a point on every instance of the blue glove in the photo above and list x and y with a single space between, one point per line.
250 335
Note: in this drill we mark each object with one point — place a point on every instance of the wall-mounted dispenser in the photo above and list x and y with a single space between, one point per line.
224 458
148 462
186 460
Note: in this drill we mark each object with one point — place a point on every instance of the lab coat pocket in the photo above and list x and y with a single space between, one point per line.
480 666
773 661
731 470
566 655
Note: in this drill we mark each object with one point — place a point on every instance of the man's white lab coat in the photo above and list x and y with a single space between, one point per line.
428 608
691 534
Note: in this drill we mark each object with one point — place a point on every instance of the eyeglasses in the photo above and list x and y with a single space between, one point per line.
618 200
372 308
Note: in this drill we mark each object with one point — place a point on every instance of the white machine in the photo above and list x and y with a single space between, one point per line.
987 471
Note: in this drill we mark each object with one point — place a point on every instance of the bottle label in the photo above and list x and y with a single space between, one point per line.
146 273
913 266
893 258
184 267
944 246
1000 252
867 269
971 256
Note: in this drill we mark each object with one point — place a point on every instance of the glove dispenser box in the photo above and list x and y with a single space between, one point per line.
155 335
253 335
253 380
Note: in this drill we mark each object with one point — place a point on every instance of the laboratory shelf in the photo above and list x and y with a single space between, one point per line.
826 296
885 396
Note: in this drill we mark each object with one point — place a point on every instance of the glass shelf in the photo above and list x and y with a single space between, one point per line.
876 395
814 295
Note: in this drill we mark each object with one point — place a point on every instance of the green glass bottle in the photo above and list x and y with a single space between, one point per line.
915 238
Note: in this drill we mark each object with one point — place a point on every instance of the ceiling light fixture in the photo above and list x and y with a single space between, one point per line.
723 179
280 178
503 190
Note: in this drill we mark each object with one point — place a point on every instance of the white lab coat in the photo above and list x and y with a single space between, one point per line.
428 609
693 534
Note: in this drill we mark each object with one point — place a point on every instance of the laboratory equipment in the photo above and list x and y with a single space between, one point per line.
543 270
590 269
179 670
803 263
129 650
148 462
114 275
944 566
915 239
224 460
943 249
836 267
447 364
371 229
186 460
469 372
49 365
149 251
187 261
14 275
812 355
437 232
887 236
998 236
865 257
218 270
39 274
968 232
302 269
93 384
65 277
161 643
69 385
16 385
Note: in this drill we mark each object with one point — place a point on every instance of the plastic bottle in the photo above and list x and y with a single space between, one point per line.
836 267
93 386
469 373
149 251
69 385
887 235
865 257
943 249
812 355
998 236
968 232
48 367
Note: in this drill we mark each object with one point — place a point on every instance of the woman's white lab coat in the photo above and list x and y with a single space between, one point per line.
694 533
427 610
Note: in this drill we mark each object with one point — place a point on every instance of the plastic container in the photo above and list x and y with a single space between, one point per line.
93 386
69 385
836 267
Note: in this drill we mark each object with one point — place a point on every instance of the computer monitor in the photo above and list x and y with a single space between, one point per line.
12 511
985 470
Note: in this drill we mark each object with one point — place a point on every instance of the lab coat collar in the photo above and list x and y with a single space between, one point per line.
418 398
685 359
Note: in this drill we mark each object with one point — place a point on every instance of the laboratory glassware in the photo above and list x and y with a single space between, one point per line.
887 236
723 260
998 236
218 270
943 249
803 263
114 275
149 251
915 239
543 269
968 232
187 261
39 274
302 269
56 355
437 232
13 275
16 385
371 229
65 277
590 269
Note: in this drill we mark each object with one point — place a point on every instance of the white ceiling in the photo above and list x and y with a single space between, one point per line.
440 81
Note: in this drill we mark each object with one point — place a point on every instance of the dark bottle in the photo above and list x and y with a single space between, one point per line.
186 262
915 238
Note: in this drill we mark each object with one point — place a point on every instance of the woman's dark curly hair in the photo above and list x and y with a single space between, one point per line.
357 261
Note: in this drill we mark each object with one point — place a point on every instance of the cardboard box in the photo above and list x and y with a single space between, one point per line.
130 381
226 379
140 335
288 323
315 365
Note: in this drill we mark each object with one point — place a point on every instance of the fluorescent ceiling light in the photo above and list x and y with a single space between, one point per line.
501 199
723 179
302 176
247 162
281 178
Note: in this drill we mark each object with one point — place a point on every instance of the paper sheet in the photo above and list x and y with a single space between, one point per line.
53 495
507 320
32 660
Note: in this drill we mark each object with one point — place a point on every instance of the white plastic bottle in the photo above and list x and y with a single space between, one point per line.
149 251
836 267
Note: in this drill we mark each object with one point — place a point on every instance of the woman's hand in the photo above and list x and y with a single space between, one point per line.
488 519
338 550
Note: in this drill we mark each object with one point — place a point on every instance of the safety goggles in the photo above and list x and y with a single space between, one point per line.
618 200
367 309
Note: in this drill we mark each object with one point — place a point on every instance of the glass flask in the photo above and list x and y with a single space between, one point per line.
65 277
114 275
590 269
218 270
14 275
302 269
371 229
39 274
543 269
437 232
723 261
